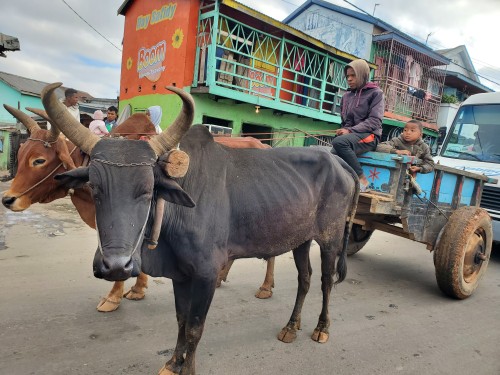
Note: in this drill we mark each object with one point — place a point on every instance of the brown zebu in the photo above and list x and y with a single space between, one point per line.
46 154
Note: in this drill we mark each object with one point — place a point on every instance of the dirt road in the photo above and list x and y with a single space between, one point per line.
388 317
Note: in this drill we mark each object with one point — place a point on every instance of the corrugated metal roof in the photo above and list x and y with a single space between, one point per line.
32 87
25 85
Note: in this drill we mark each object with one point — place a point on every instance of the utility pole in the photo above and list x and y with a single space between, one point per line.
375 7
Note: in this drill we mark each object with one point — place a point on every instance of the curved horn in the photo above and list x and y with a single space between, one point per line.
172 135
26 120
54 130
76 132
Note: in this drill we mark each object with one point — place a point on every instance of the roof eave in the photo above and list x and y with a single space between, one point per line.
467 80
123 8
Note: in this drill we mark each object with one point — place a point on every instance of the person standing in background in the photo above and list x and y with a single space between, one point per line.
154 113
111 118
71 102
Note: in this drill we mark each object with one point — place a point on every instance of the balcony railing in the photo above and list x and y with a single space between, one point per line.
240 62
411 82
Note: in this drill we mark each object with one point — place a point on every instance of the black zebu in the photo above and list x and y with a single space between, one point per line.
249 203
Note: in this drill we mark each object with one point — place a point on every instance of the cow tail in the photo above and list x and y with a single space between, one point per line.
341 269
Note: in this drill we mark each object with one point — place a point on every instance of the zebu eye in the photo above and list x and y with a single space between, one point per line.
37 162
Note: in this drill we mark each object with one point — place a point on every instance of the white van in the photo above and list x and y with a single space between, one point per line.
473 143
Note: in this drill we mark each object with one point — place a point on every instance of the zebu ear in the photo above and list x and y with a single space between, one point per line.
64 155
74 179
172 192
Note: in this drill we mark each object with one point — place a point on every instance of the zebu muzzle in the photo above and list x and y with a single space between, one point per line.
117 267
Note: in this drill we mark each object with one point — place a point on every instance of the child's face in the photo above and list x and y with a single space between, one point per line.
411 133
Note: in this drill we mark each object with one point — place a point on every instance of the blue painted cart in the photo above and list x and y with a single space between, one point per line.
439 209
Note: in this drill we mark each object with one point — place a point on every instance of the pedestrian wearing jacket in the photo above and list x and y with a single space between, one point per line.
362 111
410 143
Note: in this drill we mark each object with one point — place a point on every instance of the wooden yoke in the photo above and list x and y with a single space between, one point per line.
176 166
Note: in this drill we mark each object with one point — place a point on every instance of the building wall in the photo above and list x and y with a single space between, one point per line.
11 97
340 31
447 112
15 99
158 47
4 148
237 114
456 58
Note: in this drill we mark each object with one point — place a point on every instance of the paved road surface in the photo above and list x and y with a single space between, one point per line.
388 317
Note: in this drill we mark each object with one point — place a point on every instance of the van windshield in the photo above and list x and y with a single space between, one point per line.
475 134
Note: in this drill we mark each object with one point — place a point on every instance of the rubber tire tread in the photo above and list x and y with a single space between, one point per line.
450 253
354 246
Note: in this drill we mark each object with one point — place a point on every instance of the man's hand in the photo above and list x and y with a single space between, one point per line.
342 131
414 169
403 152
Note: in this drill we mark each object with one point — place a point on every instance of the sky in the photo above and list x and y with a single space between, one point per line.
82 47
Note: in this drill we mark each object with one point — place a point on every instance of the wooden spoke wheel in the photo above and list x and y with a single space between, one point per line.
357 239
463 251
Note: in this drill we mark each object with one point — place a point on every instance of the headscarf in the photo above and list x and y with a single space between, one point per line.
155 114
362 71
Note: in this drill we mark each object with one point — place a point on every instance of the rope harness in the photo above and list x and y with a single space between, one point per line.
157 216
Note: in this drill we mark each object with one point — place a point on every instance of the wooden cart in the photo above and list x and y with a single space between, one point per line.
439 209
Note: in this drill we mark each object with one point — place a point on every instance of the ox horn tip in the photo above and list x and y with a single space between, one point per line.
173 88
31 109
34 110
51 87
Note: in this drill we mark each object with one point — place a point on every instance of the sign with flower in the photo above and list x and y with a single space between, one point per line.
150 61
177 38
157 34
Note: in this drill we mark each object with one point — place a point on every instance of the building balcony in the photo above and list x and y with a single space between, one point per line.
267 69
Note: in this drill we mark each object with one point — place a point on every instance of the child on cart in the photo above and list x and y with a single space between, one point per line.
410 143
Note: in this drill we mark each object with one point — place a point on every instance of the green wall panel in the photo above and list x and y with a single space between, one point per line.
236 114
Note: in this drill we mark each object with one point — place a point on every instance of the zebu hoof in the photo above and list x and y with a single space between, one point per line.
165 371
134 295
320 336
264 293
287 335
108 305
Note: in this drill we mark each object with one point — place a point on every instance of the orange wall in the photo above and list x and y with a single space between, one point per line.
159 46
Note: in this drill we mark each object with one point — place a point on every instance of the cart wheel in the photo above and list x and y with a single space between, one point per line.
463 252
357 239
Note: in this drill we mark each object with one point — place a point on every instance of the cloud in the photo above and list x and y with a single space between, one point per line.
56 45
